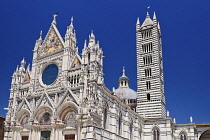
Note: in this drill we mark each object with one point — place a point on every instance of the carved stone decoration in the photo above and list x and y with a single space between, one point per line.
70 119
46 119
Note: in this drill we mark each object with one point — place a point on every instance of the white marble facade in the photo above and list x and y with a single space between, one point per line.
63 95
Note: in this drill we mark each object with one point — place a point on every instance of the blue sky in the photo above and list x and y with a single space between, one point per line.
185 34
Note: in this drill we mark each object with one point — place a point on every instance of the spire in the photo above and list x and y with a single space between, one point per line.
17 68
40 36
92 35
155 19
123 80
72 19
22 65
54 18
70 36
138 22
28 67
154 16
85 44
147 21
159 25
23 62
91 39
75 32
148 16
123 71
71 27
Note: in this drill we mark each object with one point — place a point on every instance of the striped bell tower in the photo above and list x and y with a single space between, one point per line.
150 91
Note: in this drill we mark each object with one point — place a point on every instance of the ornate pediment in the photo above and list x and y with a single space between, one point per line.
76 64
24 105
26 78
69 97
52 43
45 100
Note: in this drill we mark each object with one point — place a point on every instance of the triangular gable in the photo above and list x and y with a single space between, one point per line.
69 96
76 64
53 41
45 100
27 77
24 105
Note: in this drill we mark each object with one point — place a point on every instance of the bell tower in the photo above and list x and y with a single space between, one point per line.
150 81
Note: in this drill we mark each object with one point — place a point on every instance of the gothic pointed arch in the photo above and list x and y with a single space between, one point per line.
155 133
65 107
205 135
67 113
43 114
183 135
23 117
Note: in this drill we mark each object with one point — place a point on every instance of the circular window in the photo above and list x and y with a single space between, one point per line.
50 74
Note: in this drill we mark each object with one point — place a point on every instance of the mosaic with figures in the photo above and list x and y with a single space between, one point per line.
76 64
52 43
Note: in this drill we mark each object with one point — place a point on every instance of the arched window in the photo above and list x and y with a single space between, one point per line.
183 136
120 124
148 96
88 57
156 134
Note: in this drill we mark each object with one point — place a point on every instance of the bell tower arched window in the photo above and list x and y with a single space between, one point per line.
183 137
156 134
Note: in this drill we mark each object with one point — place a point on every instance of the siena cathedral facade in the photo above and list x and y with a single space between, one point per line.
62 96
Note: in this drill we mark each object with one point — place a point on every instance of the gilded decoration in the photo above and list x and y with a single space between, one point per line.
76 64
52 43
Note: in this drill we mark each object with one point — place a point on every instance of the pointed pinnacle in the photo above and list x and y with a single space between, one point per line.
40 35
28 67
159 25
148 16
154 16
71 24
17 68
92 35
72 19
123 71
138 22
85 44
23 62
